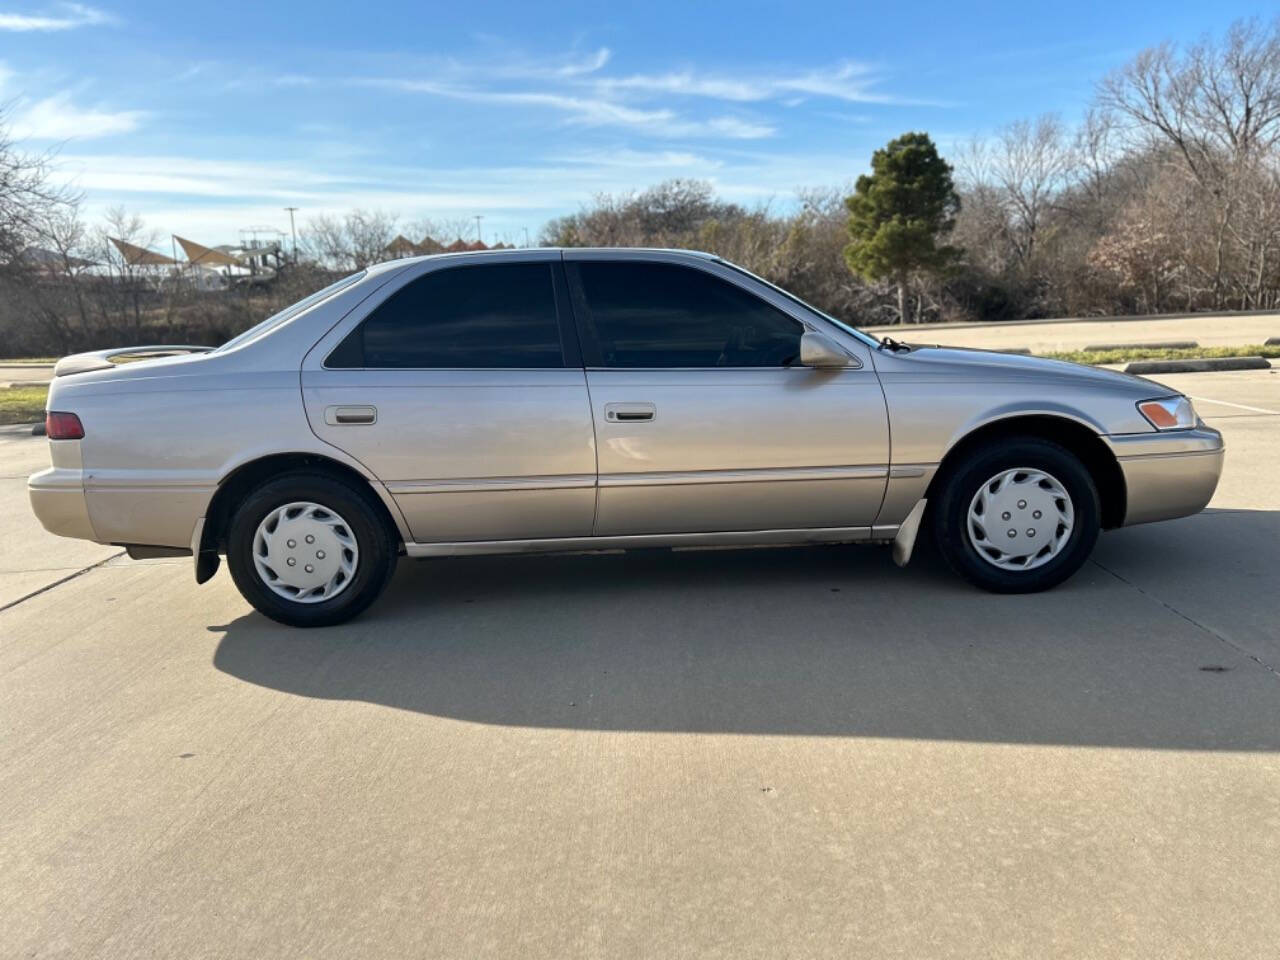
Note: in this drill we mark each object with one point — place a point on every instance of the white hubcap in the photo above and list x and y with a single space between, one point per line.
1020 519
305 552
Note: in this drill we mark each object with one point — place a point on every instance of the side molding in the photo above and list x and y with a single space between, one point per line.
904 543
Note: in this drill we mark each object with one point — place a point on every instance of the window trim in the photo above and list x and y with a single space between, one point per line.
570 348
593 358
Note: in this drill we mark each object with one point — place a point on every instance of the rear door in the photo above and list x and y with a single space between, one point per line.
462 390
705 420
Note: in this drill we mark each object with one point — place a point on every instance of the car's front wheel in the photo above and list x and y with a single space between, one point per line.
309 550
1017 517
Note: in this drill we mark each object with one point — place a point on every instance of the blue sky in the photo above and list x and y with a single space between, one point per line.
208 118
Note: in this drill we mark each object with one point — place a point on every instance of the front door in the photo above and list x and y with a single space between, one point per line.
462 391
704 420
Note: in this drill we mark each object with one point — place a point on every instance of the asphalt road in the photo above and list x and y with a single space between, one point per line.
733 754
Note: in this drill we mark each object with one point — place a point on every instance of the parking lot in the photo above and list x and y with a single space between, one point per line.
739 753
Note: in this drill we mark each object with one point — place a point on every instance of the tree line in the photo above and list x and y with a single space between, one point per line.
1165 197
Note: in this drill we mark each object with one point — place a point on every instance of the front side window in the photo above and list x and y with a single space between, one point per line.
664 315
492 315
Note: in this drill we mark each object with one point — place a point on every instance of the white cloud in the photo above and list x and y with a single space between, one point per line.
58 118
738 129
687 83
65 16
586 65
654 105
639 160
210 200
213 201
579 109
849 81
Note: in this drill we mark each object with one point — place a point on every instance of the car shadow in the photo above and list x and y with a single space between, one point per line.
823 641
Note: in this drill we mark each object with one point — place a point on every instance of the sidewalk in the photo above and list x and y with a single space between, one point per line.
1041 336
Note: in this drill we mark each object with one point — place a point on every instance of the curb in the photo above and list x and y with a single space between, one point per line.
907 329
1207 365
1153 345
22 429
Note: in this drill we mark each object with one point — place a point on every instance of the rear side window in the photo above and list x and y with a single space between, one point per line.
663 315
493 315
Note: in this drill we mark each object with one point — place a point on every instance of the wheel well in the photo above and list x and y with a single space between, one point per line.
237 484
1079 439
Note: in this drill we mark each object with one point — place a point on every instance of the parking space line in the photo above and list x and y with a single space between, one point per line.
57 583
1238 406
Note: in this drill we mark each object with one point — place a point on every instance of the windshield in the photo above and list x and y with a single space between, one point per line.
864 337
289 312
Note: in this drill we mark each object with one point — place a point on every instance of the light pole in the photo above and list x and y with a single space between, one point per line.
479 236
526 236
294 231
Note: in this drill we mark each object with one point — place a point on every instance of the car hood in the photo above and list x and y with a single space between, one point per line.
963 361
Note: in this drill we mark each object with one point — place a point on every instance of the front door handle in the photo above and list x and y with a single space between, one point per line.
350 416
629 412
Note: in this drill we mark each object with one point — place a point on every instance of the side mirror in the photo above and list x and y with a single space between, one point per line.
819 350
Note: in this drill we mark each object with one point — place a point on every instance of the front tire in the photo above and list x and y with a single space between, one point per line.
1018 516
310 550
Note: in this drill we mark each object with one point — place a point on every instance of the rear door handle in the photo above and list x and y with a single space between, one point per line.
350 416
629 412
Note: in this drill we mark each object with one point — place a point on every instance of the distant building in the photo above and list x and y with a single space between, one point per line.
402 247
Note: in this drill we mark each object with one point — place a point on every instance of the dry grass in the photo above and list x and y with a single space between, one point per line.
22 404
1096 357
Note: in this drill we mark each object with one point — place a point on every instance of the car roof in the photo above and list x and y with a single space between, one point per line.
508 252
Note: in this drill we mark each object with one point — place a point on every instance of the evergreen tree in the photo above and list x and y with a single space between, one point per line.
899 212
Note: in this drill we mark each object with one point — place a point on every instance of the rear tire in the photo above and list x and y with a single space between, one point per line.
1017 517
310 550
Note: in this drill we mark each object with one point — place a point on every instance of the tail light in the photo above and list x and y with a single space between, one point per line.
63 426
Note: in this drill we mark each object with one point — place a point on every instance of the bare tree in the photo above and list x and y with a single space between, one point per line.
442 230
28 195
1217 105
1024 168
131 284
352 242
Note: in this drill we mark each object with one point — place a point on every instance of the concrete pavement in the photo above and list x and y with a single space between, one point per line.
31 559
23 374
803 753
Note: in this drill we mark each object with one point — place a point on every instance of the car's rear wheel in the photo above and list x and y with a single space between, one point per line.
310 550
1017 517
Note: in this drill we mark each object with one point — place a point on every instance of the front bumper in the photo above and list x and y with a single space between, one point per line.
58 501
1168 474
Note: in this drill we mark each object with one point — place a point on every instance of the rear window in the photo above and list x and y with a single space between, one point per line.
291 311
486 316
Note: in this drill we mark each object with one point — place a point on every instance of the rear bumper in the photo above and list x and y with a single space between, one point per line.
1170 474
58 501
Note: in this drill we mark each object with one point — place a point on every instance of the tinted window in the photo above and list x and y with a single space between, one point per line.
289 312
496 315
660 315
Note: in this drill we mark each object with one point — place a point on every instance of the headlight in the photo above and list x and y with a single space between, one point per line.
1171 413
